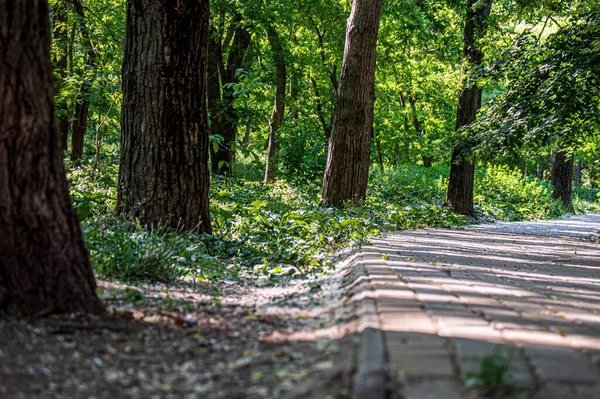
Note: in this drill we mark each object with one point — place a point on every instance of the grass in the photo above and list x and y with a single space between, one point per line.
492 376
282 230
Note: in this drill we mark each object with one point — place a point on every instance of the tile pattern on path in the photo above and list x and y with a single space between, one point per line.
446 298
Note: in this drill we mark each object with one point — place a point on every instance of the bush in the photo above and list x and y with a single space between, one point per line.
281 230
503 194
129 252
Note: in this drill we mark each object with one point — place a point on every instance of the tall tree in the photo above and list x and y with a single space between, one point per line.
562 176
163 176
83 102
224 117
279 107
60 19
462 166
44 265
347 169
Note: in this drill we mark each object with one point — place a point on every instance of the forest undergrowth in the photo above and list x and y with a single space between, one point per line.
274 232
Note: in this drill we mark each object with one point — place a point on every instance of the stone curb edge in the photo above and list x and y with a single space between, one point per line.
370 377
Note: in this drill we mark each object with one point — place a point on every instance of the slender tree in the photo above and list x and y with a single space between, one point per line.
462 165
562 176
163 176
347 169
44 265
279 106
83 102
60 19
224 117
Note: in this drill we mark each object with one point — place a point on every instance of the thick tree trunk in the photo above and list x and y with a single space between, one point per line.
44 265
562 177
164 178
60 69
278 108
347 170
462 166
83 102
222 159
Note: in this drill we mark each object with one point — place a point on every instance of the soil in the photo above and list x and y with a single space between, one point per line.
217 340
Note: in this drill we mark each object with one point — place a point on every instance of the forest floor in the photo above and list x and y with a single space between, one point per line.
212 340
441 301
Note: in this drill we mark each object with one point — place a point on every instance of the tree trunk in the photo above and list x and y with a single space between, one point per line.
246 139
60 69
539 169
347 170
278 108
562 175
378 150
80 124
44 265
462 166
83 102
577 178
222 159
213 91
319 109
163 177
397 154
427 160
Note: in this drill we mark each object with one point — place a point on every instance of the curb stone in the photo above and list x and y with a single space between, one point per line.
370 378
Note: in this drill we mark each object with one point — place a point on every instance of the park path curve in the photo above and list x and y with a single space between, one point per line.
440 300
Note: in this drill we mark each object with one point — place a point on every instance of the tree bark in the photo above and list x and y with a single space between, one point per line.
60 69
562 177
462 166
83 102
44 265
222 159
347 170
80 124
279 107
163 176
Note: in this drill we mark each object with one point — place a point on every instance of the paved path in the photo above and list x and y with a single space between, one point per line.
446 298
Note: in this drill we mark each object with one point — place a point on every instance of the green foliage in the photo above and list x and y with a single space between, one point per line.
503 194
126 251
552 88
283 230
93 189
492 376
277 231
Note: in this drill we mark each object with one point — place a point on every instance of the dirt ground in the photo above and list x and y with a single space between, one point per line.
227 340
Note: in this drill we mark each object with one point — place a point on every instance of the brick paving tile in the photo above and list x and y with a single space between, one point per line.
558 391
445 299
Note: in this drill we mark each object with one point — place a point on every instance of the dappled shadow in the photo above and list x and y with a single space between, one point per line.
446 298
584 226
